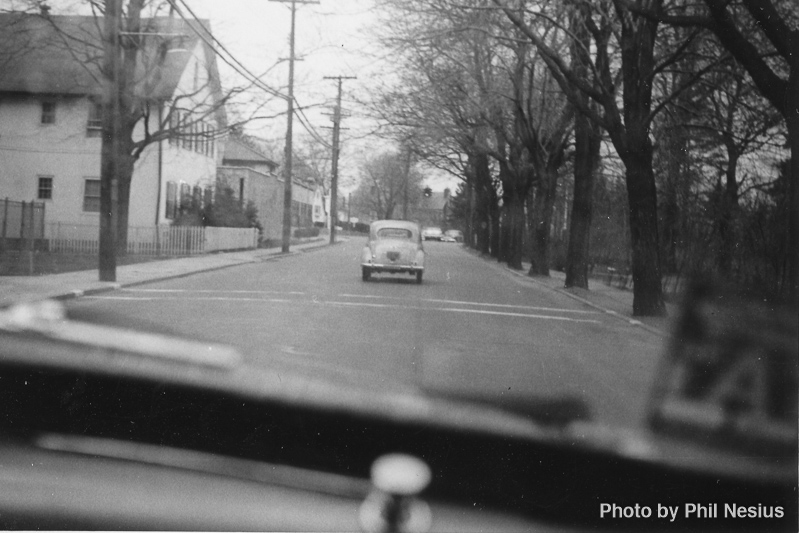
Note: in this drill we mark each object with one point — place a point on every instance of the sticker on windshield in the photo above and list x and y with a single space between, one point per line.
730 374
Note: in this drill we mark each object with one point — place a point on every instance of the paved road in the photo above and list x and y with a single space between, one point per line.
470 328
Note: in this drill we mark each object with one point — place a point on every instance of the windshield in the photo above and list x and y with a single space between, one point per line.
394 233
220 172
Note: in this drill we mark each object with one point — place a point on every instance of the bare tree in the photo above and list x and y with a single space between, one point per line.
627 57
384 184
763 36
587 141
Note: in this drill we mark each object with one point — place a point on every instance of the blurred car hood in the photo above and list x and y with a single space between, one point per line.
542 458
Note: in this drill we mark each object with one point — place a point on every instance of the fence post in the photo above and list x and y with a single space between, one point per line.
32 243
22 226
5 223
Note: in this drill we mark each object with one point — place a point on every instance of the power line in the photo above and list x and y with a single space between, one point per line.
241 69
247 73
306 124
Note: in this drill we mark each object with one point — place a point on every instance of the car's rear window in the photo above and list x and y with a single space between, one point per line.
394 233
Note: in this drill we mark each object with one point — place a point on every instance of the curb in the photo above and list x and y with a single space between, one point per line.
627 320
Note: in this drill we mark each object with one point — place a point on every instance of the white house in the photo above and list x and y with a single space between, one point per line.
50 117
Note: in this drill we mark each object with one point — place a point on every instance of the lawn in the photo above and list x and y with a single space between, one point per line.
15 263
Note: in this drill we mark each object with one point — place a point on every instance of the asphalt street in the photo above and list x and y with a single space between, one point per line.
471 329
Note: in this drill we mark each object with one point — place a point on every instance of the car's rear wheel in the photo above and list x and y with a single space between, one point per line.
366 273
419 277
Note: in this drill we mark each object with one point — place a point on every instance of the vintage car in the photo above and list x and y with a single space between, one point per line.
453 235
432 234
395 246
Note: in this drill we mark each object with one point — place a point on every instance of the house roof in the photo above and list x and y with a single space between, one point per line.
239 151
62 55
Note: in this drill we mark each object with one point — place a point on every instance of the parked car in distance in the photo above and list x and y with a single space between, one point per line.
455 234
394 246
432 234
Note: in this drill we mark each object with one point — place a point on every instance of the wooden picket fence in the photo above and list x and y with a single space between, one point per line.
153 240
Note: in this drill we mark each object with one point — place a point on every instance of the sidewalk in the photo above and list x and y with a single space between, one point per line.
15 289
601 296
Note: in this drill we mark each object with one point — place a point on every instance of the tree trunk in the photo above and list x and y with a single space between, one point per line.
495 230
544 205
124 180
514 207
587 140
502 248
632 142
729 207
484 203
642 197
109 162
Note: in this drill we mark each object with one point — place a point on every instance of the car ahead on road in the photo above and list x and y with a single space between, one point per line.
111 429
454 235
395 247
432 234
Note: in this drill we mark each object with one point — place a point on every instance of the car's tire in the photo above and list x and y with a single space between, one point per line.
366 274
419 277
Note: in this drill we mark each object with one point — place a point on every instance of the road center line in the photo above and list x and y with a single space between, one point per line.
456 310
351 304
481 304
212 291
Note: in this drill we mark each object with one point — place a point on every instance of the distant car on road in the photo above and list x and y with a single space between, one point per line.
432 234
455 234
395 246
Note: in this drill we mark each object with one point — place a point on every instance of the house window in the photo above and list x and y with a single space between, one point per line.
48 112
197 197
91 195
185 197
185 141
174 125
94 126
171 199
45 188
211 140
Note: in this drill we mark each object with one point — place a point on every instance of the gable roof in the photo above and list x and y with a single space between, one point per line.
239 151
62 55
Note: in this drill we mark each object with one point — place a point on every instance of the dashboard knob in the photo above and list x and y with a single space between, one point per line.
392 505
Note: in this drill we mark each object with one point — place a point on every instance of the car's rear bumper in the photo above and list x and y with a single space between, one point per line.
388 267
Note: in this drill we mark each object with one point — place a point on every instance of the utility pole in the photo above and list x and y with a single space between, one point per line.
109 179
334 178
287 166
407 179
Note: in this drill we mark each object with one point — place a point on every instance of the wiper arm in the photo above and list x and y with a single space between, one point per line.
48 319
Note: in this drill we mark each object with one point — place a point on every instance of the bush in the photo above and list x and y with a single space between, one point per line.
302 233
